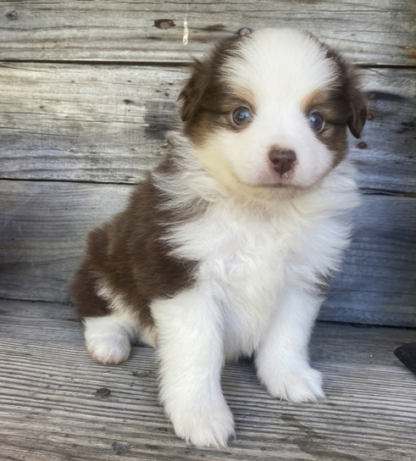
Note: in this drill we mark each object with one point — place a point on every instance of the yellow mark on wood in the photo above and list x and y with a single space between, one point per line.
185 32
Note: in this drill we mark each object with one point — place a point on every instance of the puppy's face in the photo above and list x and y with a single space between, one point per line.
270 110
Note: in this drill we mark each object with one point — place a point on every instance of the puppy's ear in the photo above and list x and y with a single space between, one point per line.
193 91
358 104
350 88
205 79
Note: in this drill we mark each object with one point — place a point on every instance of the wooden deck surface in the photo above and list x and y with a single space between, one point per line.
49 410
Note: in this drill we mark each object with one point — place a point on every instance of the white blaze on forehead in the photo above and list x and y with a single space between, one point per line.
280 64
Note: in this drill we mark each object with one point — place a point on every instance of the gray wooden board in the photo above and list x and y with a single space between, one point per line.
108 123
370 32
49 411
43 226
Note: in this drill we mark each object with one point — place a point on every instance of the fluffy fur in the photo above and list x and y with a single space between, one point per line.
222 252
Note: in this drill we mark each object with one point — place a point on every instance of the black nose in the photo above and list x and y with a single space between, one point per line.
282 160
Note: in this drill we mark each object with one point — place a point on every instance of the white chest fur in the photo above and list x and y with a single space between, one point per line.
249 258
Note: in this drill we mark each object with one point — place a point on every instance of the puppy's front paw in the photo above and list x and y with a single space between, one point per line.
204 426
299 383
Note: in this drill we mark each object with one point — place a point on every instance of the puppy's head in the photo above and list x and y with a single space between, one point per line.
271 110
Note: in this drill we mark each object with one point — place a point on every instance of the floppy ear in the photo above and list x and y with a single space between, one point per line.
358 103
193 91
204 77
351 90
359 112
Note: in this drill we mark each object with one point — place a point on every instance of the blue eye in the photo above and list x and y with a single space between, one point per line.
316 122
241 116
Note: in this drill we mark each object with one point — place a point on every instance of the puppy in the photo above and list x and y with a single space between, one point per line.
226 249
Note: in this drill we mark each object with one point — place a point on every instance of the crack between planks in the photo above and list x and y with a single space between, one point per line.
364 190
179 63
30 301
184 63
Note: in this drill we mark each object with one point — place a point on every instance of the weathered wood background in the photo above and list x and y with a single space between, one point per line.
87 93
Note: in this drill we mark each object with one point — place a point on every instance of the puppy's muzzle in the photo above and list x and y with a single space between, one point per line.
282 160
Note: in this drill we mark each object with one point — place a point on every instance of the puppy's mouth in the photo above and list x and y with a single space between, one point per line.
270 180
274 178
287 185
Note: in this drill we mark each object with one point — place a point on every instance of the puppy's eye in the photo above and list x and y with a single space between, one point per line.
241 116
316 122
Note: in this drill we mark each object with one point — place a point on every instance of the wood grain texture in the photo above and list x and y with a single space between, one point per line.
370 32
39 321
44 224
108 123
49 410
377 284
87 123
43 231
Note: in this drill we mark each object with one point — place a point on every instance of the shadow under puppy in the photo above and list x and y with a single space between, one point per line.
228 245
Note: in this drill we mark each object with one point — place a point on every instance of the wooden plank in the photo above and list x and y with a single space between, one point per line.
39 321
43 229
44 225
377 284
388 143
87 123
108 123
49 411
370 32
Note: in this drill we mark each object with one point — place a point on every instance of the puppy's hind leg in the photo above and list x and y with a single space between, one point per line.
108 339
109 326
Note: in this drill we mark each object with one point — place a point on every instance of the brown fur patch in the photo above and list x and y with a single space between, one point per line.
129 258
341 105
207 100
314 99
335 110
348 88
